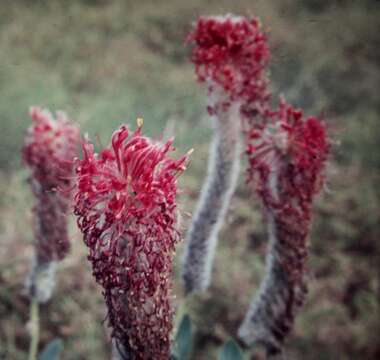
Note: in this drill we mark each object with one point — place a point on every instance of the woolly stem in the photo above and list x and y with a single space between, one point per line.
40 283
34 329
272 311
223 172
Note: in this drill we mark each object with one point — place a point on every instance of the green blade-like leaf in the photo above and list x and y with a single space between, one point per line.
52 350
184 339
230 351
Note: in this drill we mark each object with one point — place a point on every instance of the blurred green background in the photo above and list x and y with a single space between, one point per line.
107 62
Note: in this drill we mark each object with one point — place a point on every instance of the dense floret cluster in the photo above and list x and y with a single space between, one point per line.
126 208
231 53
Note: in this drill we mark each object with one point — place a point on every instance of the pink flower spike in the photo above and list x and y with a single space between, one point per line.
126 207
287 156
49 149
231 55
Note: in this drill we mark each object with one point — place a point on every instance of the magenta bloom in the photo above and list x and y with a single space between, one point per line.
49 149
126 209
295 149
231 52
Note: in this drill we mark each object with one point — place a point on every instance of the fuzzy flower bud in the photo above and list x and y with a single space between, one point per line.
49 149
287 158
230 55
126 208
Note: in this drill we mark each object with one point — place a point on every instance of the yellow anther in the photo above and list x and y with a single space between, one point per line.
140 122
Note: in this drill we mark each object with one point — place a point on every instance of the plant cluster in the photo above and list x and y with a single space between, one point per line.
125 200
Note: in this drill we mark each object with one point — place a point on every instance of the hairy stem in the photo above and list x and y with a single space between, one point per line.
40 282
272 311
223 172
34 329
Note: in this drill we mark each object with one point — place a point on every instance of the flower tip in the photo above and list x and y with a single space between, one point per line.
190 152
33 111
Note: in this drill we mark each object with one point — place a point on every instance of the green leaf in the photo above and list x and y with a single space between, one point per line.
184 339
52 350
230 351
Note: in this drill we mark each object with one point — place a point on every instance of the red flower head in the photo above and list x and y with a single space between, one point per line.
288 155
231 52
49 149
126 209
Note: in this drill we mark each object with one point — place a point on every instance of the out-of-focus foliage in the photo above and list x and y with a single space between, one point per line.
183 342
110 61
52 350
230 351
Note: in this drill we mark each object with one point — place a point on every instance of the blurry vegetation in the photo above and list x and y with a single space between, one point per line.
109 61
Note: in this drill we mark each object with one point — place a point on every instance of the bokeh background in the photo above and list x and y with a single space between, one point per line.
107 62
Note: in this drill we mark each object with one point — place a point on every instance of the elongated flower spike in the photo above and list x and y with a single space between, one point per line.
230 55
49 149
287 158
125 203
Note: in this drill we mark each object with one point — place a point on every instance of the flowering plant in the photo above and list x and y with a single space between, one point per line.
230 54
49 149
126 206
287 155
